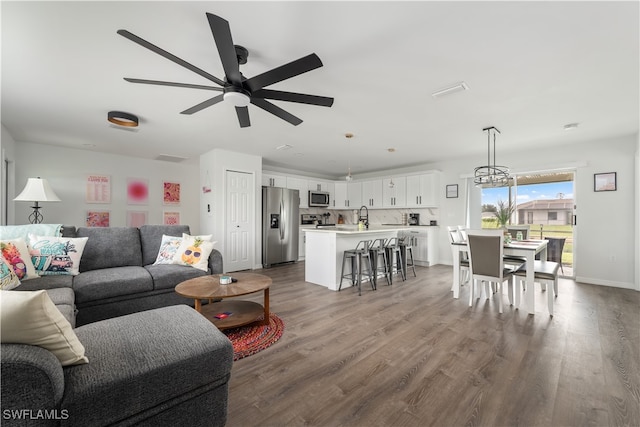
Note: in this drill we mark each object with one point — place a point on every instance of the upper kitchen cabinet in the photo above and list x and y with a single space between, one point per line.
270 180
394 192
422 190
314 185
372 193
347 195
303 187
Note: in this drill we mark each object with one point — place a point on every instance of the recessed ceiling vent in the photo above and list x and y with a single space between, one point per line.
169 158
458 87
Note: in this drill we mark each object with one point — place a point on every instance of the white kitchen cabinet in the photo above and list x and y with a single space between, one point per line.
422 190
396 196
270 180
425 251
315 185
302 186
347 195
372 193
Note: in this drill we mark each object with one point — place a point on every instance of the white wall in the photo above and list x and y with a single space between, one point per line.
215 165
66 171
7 188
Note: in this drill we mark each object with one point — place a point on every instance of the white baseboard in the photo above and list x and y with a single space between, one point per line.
600 282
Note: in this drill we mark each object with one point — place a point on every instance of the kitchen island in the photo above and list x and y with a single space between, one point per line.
324 249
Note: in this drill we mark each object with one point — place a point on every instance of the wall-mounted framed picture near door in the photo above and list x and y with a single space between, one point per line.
452 191
604 181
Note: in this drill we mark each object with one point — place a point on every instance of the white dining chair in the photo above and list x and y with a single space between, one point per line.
456 237
486 253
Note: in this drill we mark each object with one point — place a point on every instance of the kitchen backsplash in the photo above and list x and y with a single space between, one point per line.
376 216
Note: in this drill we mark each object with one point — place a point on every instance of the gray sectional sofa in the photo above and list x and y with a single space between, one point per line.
117 275
151 362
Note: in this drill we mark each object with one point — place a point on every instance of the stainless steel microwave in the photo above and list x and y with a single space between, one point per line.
318 199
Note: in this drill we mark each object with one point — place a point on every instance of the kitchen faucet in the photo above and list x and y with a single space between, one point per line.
364 218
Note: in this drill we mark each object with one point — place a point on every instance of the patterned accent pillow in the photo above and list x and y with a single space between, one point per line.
168 248
8 278
194 251
56 255
16 252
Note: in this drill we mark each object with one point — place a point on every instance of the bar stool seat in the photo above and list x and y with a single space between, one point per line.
357 256
377 250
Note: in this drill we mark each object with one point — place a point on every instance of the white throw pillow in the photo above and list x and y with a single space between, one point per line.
30 317
56 255
16 252
8 278
194 251
168 248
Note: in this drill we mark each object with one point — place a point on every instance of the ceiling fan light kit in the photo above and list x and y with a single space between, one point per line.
491 174
121 118
236 88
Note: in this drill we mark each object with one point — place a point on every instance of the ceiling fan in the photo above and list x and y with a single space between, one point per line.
235 87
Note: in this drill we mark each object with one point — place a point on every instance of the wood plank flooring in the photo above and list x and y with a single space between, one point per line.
411 355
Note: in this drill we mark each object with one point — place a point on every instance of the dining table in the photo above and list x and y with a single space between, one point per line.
527 249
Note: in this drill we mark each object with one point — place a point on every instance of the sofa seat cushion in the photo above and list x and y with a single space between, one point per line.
176 352
47 282
110 247
168 276
111 282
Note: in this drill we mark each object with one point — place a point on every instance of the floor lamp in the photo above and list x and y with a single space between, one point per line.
37 190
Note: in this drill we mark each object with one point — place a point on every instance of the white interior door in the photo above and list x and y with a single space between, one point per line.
240 221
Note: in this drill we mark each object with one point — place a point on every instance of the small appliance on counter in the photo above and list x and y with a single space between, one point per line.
414 219
433 222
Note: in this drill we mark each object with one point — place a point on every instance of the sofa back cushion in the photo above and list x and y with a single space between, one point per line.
151 237
110 247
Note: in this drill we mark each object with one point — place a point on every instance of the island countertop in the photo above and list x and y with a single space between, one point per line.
353 229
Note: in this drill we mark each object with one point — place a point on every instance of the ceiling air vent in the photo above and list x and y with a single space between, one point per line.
168 158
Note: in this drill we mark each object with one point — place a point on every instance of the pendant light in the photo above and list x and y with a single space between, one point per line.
491 174
348 135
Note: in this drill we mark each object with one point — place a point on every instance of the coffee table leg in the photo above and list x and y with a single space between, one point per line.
198 306
266 307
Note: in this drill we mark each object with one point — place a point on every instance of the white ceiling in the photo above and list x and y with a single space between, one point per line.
531 68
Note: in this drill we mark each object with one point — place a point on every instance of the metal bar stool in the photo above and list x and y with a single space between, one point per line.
395 258
356 256
376 250
406 244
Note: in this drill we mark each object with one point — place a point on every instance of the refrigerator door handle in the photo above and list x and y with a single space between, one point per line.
284 220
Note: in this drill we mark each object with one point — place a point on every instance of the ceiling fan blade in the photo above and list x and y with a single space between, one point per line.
293 97
275 110
226 50
203 105
243 116
299 66
161 83
169 56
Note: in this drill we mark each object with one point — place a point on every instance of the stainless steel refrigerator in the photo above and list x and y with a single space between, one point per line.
280 228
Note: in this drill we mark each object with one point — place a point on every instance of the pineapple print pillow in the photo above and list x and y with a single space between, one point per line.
194 251
56 255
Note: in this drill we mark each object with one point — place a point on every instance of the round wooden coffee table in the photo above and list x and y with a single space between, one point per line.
240 312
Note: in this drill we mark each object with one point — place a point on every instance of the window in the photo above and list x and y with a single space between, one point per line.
552 216
530 217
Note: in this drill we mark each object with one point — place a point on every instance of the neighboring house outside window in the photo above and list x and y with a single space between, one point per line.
546 211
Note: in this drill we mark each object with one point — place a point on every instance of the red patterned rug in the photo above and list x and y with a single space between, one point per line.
248 340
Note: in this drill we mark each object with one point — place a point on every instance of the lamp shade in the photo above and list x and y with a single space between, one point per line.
37 190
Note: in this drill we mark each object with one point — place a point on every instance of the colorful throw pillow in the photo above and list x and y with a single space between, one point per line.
56 255
194 251
16 252
8 278
30 317
168 248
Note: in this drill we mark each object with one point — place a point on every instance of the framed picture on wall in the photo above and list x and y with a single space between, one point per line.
604 181
98 218
98 189
171 193
136 218
171 218
452 191
137 191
